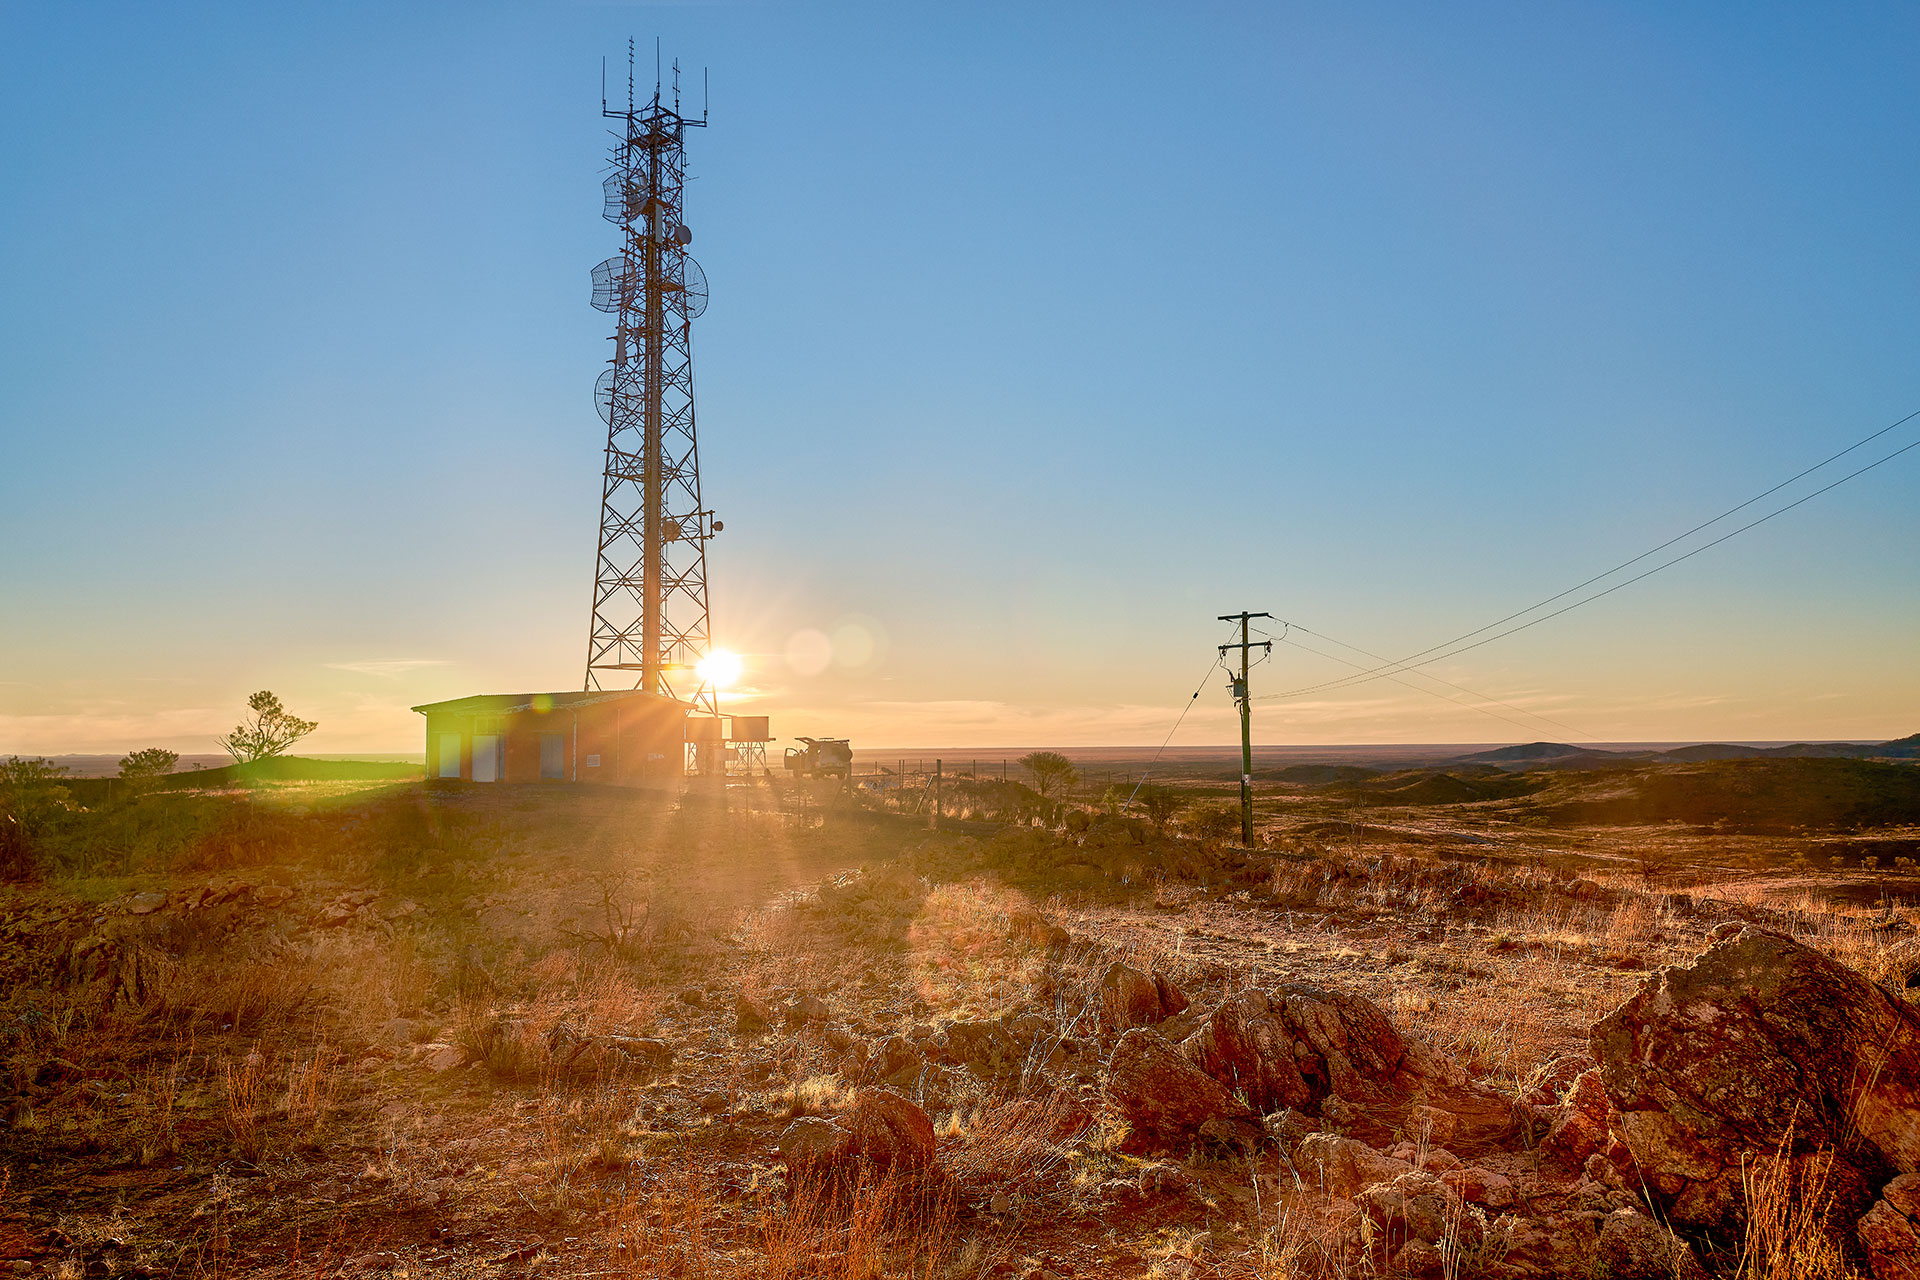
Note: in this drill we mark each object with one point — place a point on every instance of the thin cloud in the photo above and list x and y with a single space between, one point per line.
390 669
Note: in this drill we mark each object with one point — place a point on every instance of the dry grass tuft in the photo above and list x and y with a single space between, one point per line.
873 1229
1017 1145
1790 1232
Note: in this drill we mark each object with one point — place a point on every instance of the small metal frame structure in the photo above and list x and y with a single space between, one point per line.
650 619
747 737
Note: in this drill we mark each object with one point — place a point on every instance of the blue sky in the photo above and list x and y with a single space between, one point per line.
1040 335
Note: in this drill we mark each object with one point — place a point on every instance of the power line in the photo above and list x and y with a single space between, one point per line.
1285 638
1421 659
1197 691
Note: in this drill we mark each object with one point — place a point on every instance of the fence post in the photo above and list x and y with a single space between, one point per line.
935 824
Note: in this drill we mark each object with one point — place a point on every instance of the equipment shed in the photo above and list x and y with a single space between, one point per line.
624 736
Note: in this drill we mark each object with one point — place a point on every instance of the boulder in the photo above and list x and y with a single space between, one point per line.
1418 1206
1163 1095
1761 1046
1635 1247
891 1132
884 1136
1341 1166
750 1015
1310 1049
1890 1231
1579 1126
987 1049
1130 998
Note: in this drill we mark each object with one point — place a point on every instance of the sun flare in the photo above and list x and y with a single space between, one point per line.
721 669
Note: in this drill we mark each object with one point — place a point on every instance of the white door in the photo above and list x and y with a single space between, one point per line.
486 757
449 755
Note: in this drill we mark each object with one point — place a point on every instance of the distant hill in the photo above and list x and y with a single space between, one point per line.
1769 794
1907 748
1546 755
1529 753
1713 751
1565 756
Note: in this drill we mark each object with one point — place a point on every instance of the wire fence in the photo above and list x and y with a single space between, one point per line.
979 787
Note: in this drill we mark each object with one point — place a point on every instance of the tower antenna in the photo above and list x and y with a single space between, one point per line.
650 623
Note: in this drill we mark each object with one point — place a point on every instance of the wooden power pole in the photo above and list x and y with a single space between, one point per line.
1246 719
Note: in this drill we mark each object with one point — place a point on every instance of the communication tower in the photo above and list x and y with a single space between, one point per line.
650 621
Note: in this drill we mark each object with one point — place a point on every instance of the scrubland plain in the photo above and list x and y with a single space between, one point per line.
398 1029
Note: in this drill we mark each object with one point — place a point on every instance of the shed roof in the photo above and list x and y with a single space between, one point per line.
502 703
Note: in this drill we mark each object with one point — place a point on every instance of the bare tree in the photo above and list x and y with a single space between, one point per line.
1048 768
269 732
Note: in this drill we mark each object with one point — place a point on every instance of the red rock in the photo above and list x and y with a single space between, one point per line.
1580 1125
1315 1049
1130 998
1761 1043
1341 1166
751 1015
891 1132
1163 1095
1890 1231
1635 1247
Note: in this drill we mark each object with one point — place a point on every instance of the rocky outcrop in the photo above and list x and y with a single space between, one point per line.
1163 1095
1761 1045
1130 998
1634 1247
1579 1126
1341 1166
884 1137
1300 1047
1890 1231
1412 1215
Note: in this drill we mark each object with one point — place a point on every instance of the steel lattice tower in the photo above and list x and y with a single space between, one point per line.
650 618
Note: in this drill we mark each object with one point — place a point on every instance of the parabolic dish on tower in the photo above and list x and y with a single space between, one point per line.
611 384
610 280
615 208
693 291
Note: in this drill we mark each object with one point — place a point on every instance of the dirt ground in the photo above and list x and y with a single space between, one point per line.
410 1030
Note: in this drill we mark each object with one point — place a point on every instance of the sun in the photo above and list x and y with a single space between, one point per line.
721 669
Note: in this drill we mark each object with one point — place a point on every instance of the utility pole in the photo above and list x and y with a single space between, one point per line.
1246 719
